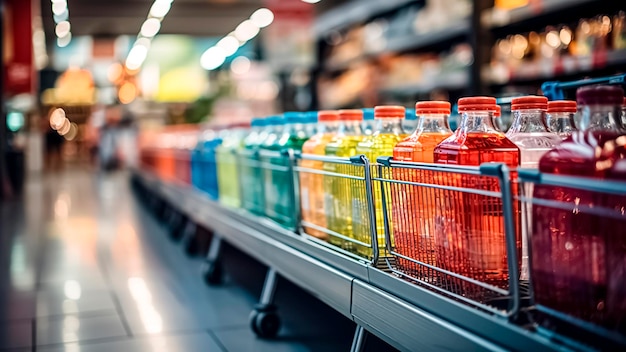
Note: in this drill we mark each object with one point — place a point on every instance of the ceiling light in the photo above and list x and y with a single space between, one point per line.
246 30
143 42
262 17
59 7
62 29
150 27
64 41
136 57
63 16
240 65
229 45
213 58
160 8
311 1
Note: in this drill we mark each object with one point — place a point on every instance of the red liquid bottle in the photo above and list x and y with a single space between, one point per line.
469 230
413 206
578 263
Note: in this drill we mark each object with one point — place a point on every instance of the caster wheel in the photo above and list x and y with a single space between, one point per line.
212 273
265 324
191 247
177 228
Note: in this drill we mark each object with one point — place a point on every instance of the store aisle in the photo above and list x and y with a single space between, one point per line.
85 268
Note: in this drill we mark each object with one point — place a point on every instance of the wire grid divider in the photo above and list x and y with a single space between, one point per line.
452 229
250 177
280 198
577 251
335 196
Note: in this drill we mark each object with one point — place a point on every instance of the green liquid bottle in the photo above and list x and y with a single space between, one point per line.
250 176
226 158
387 134
277 175
338 190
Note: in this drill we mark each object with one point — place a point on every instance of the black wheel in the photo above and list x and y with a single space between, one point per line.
212 273
177 227
265 324
191 247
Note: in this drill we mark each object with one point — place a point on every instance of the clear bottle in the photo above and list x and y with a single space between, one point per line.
387 134
368 124
277 178
577 263
338 192
311 184
310 126
226 158
560 117
470 221
410 121
413 207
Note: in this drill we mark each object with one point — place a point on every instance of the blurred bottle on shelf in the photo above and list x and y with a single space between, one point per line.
226 158
577 263
410 122
466 221
338 191
250 175
387 134
310 126
560 117
311 184
277 175
619 31
413 207
368 122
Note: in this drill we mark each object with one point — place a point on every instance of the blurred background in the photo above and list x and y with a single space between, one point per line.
116 67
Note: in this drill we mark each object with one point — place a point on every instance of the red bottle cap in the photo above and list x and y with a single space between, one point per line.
389 112
432 107
529 102
351 115
327 115
498 111
477 104
600 95
562 106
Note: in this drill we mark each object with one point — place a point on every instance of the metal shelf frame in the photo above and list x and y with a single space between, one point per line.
406 316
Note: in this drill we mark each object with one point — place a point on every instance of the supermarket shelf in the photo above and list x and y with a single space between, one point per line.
354 11
405 315
494 18
567 65
450 81
406 43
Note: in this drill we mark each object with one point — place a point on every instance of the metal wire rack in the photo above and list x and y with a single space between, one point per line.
336 198
250 175
278 187
453 230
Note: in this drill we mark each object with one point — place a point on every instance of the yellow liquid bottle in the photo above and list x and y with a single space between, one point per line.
311 184
226 159
338 190
387 134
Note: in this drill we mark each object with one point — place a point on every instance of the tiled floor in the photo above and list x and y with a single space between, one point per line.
83 267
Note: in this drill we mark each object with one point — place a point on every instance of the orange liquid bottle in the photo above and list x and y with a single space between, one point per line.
412 207
312 185
469 229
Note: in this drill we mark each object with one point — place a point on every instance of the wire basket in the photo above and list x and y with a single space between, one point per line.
250 175
577 252
335 200
278 187
453 230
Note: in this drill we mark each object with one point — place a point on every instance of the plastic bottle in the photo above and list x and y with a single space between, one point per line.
410 121
338 191
469 230
560 117
250 176
311 185
413 207
368 122
198 178
310 125
277 177
226 159
387 134
577 261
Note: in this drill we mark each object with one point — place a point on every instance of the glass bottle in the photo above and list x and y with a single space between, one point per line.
278 180
412 206
226 158
368 122
311 184
560 117
387 134
469 230
338 192
577 263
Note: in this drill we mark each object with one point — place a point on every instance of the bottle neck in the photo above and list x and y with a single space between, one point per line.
292 128
477 121
601 117
327 127
432 123
528 121
350 128
389 126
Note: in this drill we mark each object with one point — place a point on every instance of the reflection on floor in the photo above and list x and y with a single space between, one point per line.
84 268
